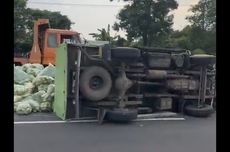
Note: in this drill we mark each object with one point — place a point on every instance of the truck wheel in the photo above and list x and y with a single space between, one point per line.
125 52
121 115
181 60
95 83
178 60
202 59
204 111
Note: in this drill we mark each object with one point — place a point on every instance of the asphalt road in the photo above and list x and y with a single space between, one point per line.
191 135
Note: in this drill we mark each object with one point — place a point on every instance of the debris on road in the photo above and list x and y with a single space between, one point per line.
33 88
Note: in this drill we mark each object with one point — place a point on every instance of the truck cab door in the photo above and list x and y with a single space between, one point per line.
50 47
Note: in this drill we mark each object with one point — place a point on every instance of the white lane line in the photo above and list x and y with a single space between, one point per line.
160 119
87 121
52 122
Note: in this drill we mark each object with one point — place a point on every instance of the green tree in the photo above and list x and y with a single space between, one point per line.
103 35
180 39
147 20
19 22
203 22
192 38
198 51
120 41
204 15
57 20
23 23
201 35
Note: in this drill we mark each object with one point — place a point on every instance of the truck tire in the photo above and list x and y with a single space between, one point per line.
181 60
202 59
95 83
204 111
125 53
178 60
121 115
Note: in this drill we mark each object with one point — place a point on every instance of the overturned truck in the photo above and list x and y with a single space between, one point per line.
119 83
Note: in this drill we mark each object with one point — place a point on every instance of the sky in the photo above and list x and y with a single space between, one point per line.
90 15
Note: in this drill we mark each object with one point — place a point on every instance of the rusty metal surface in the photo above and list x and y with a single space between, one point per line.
21 60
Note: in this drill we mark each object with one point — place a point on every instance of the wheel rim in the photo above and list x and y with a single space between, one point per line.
179 60
96 82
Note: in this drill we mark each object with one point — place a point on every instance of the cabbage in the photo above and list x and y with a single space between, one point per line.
23 108
16 105
18 98
34 104
38 96
48 71
49 95
43 87
33 88
26 66
43 80
45 107
37 66
32 71
27 88
20 77
18 67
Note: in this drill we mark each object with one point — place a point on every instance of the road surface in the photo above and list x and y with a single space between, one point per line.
190 135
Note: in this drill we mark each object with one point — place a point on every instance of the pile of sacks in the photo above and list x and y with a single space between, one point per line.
33 88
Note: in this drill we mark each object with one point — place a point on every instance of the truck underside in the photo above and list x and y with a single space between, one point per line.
126 81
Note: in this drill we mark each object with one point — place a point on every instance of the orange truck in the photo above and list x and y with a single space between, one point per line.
45 42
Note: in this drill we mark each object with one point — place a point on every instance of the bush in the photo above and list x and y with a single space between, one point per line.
198 51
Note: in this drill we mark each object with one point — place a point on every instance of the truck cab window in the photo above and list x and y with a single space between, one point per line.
52 41
68 39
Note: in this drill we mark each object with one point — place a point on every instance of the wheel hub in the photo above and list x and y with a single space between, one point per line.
96 82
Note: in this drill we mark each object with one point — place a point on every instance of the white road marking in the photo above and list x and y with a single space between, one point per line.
160 119
87 121
52 122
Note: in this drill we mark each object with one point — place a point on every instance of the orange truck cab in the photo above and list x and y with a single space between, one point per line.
45 42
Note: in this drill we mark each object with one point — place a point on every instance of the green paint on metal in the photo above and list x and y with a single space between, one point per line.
60 98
